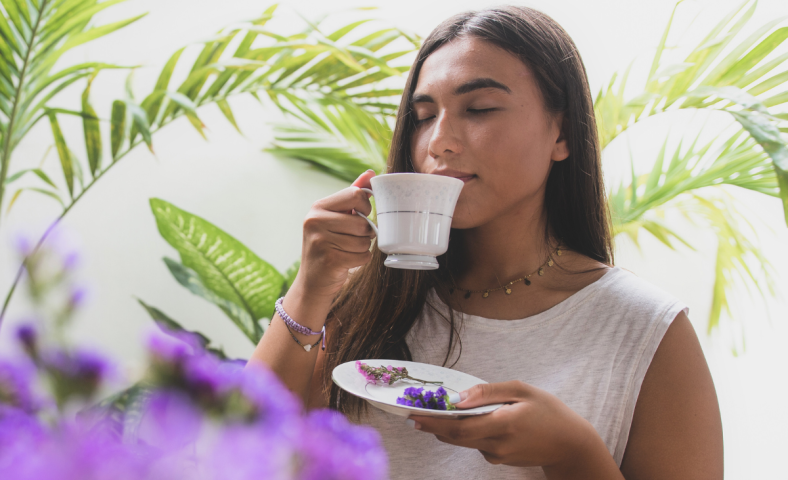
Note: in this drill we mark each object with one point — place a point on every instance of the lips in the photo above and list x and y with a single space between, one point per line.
464 176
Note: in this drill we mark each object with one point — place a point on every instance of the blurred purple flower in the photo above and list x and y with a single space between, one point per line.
23 245
332 447
27 336
78 373
78 296
171 347
16 386
71 260
170 420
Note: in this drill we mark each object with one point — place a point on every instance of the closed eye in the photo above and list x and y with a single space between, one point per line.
481 110
419 121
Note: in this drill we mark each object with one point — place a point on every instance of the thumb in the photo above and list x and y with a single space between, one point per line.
491 393
363 180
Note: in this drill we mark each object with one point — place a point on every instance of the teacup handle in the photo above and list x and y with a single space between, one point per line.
371 223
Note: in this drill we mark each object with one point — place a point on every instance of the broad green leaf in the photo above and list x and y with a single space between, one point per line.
66 162
239 316
117 126
90 126
225 266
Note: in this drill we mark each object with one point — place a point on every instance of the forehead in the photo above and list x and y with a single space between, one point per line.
467 58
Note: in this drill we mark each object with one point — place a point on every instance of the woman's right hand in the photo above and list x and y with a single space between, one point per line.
335 239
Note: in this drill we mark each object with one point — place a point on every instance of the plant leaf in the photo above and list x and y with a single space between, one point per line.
239 316
117 126
768 136
63 152
90 126
168 325
225 266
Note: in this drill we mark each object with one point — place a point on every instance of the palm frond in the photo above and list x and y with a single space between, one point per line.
33 36
745 78
338 137
688 180
739 260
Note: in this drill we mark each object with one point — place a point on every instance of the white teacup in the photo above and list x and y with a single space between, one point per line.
414 212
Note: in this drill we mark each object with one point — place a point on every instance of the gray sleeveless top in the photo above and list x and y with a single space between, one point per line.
592 351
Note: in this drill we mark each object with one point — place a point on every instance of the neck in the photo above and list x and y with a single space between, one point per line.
508 247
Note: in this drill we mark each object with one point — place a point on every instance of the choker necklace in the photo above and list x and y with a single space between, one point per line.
508 287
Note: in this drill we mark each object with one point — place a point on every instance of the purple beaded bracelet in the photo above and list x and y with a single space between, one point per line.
296 326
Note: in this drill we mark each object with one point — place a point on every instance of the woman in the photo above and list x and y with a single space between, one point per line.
602 374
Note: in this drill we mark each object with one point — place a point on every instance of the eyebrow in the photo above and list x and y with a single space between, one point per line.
467 87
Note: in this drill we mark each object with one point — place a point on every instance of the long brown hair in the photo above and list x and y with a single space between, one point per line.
378 306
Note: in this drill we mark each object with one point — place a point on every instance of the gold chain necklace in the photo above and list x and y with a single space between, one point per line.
507 288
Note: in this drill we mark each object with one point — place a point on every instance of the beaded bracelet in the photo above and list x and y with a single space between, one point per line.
298 327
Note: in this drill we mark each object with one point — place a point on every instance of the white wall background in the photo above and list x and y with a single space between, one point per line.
232 183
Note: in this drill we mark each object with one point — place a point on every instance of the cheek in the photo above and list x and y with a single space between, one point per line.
513 149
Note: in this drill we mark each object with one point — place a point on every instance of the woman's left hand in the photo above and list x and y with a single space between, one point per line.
534 428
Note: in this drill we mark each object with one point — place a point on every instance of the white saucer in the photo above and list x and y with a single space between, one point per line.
384 397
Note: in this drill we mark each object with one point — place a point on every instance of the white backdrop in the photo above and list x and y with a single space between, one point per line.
262 201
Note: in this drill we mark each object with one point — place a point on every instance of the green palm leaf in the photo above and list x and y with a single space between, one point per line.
340 138
691 180
224 265
741 78
33 36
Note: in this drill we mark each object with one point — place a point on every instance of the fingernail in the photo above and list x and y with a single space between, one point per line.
412 423
455 398
463 395
370 170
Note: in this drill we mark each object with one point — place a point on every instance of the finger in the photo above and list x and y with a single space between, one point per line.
490 393
351 198
465 430
340 223
347 243
363 180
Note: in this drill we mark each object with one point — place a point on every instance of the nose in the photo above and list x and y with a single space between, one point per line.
445 138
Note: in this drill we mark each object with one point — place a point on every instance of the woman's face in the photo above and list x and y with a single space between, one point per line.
480 117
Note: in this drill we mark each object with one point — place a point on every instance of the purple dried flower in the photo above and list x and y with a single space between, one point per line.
386 375
414 397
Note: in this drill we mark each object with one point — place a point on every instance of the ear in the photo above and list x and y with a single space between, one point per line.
560 148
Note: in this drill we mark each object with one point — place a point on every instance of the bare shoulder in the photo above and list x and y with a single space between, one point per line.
676 428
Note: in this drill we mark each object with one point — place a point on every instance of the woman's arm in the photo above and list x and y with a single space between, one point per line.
676 430
334 242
